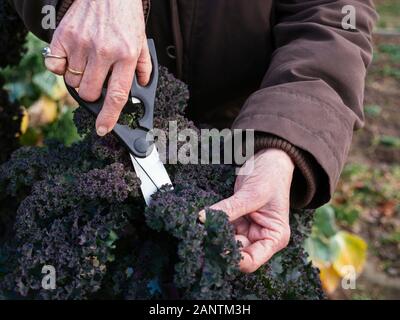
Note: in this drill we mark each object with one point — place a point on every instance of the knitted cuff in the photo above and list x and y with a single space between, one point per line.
304 183
63 7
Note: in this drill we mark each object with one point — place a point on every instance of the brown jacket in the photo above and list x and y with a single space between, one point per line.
285 68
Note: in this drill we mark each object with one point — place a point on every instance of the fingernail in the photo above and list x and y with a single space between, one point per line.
202 216
102 131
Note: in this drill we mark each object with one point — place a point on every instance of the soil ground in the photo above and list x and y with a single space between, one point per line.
371 183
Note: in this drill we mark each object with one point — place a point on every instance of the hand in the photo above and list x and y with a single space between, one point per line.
99 37
259 208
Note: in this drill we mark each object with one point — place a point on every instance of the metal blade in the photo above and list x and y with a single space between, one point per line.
152 174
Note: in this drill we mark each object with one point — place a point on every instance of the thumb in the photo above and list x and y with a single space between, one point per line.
235 206
144 66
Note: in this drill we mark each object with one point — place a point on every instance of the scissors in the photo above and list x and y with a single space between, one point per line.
143 152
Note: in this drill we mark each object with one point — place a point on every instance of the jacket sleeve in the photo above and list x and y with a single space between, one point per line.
312 93
31 13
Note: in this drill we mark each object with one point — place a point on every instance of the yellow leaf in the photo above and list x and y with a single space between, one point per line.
59 90
351 252
43 111
24 121
329 279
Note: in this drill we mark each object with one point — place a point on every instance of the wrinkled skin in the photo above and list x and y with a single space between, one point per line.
259 208
98 38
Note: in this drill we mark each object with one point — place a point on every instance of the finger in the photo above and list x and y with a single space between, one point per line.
243 240
274 220
242 226
144 65
93 78
237 205
55 65
76 61
256 254
118 90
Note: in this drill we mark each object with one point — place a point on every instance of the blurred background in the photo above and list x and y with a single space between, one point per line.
355 238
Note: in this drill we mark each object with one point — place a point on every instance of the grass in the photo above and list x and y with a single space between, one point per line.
387 57
389 141
392 238
389 11
392 50
363 188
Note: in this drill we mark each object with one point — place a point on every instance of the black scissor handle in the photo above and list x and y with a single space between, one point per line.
147 95
136 140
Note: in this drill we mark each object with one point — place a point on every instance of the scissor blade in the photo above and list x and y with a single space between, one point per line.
152 174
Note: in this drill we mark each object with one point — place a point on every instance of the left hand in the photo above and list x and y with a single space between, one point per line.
259 208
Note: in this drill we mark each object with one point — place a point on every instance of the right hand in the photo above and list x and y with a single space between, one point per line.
98 38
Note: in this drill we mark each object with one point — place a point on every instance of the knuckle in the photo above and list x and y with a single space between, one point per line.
145 57
88 94
144 68
103 52
70 33
131 53
83 41
117 99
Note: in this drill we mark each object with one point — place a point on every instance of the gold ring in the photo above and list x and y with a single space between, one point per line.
75 72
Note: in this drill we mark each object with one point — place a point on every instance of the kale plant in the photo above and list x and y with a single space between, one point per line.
80 210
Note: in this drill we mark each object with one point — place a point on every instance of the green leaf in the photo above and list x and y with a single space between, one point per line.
373 110
324 222
393 50
17 90
319 251
389 141
113 236
276 265
45 81
111 258
31 137
62 130
347 215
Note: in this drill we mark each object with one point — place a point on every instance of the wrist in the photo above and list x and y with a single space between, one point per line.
278 158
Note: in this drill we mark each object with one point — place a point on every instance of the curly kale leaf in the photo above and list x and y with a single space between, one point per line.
70 222
208 254
80 209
